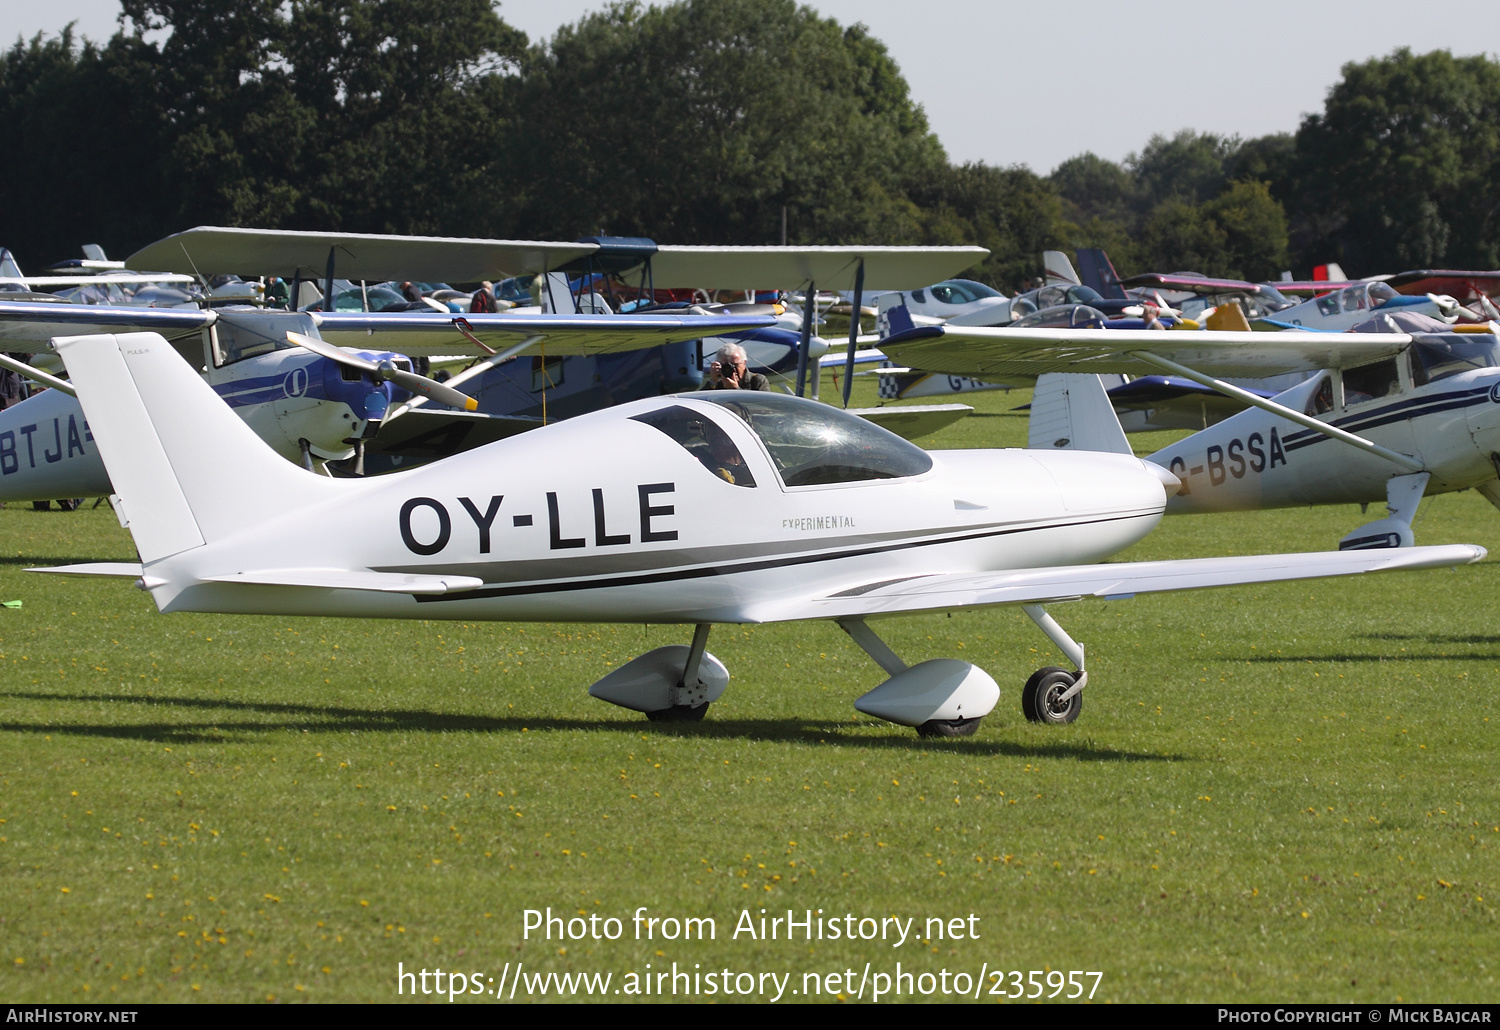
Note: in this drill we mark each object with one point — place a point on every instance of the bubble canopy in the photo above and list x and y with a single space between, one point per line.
813 444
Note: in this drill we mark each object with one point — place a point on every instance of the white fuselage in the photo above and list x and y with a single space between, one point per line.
1256 460
604 517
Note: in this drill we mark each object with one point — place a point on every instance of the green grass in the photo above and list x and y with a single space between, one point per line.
1273 793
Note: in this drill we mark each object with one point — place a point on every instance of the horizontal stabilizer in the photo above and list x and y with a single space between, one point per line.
129 570
952 592
352 579
910 421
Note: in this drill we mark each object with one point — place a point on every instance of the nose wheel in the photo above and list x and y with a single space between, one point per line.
1049 696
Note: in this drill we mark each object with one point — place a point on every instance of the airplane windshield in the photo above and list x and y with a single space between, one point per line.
704 440
238 335
813 444
962 291
1452 353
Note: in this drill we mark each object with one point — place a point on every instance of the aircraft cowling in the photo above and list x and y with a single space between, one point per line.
47 452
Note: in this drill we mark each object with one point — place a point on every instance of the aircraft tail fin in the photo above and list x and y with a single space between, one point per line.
1071 411
557 295
94 252
1058 269
1098 273
8 267
1229 316
186 469
893 315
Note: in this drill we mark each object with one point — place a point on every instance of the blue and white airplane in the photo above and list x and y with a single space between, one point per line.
1407 408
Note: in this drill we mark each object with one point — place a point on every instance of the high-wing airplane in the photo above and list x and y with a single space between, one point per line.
729 506
1409 409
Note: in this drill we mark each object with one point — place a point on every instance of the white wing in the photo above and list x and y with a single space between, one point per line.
956 591
989 352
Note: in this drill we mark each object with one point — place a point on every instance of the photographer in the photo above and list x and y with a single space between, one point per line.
729 371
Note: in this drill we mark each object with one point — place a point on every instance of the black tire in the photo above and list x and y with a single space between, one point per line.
948 728
679 713
1039 696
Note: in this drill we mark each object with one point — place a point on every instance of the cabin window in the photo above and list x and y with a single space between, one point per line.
237 335
1321 401
920 296
1354 298
813 444
1328 304
1371 382
1380 293
703 439
1051 296
1447 355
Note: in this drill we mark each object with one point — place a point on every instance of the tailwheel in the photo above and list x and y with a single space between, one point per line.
679 713
1042 698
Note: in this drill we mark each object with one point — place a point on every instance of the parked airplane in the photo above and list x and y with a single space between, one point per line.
728 506
1408 409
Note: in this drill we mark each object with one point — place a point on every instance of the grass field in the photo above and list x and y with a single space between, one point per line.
1274 793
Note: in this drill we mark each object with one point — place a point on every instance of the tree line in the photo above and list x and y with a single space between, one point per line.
707 121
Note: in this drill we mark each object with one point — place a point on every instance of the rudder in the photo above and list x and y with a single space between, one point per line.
186 467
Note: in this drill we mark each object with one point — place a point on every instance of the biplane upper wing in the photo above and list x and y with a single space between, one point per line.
430 333
211 249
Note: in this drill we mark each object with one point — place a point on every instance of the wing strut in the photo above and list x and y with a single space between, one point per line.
809 315
37 375
1291 415
859 296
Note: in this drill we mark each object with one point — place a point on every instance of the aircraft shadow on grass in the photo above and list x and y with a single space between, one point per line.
318 719
1392 659
1438 638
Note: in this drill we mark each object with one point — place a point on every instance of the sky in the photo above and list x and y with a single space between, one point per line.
1036 83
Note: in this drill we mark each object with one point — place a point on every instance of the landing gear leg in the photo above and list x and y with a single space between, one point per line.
1053 694
939 685
1402 496
690 696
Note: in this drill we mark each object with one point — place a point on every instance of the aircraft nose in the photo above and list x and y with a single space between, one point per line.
817 347
1169 482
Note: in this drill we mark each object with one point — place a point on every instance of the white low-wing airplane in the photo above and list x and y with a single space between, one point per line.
729 506
1391 416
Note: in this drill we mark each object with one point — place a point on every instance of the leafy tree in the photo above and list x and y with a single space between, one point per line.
1253 224
699 121
84 143
1189 167
1012 211
1402 167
